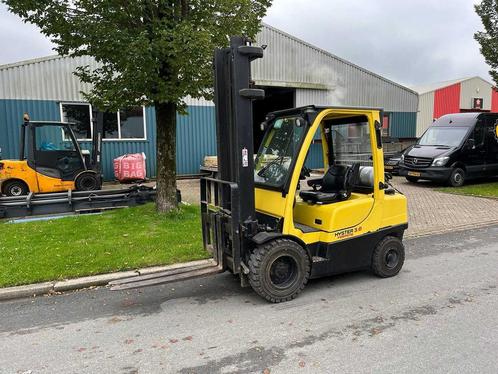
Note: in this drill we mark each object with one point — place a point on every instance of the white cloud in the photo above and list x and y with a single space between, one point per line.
20 41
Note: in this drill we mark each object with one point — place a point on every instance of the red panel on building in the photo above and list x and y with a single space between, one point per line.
447 100
494 100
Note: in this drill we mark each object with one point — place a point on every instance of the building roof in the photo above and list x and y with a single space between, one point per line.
422 89
327 53
337 58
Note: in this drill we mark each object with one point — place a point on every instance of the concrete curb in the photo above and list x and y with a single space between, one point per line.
45 288
25 291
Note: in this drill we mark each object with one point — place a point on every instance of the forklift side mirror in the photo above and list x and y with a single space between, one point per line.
378 134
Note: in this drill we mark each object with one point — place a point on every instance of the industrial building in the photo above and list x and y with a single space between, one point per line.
472 94
293 73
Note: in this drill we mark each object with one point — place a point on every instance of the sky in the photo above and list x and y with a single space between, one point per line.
412 42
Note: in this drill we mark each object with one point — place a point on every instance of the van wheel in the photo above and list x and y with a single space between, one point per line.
279 270
15 188
87 182
457 178
388 257
412 179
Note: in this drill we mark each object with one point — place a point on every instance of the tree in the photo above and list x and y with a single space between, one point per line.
488 40
150 52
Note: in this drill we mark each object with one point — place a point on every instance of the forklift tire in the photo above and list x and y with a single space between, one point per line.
412 179
87 182
388 257
279 270
15 188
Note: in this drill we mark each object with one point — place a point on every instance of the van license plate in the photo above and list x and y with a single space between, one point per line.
414 174
388 167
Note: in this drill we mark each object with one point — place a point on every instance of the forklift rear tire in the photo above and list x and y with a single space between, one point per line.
15 188
388 257
279 270
87 182
412 179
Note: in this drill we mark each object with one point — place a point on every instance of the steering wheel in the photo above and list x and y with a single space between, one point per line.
63 163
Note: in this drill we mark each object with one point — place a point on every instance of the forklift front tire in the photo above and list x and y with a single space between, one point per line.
87 182
15 188
279 270
388 257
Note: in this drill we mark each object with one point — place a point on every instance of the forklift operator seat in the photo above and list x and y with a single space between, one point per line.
336 185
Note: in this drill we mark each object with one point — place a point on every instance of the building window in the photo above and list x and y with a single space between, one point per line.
81 117
111 127
132 123
125 125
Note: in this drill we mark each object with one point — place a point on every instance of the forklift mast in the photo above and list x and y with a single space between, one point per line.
234 119
228 203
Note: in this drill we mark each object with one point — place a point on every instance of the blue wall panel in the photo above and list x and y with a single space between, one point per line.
314 160
195 138
11 117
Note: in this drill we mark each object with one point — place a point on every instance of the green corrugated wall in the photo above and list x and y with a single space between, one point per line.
402 124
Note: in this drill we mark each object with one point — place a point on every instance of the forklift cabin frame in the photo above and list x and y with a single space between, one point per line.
33 156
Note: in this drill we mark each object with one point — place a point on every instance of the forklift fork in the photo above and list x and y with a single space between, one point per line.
219 226
205 269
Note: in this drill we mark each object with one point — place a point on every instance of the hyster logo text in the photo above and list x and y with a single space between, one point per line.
347 232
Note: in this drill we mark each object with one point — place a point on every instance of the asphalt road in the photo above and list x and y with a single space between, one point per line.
439 316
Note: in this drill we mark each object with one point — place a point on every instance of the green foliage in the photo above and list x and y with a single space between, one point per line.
488 11
86 245
149 51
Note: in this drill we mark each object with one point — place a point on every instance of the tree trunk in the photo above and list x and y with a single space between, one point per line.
166 157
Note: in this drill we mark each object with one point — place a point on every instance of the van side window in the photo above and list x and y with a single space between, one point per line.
479 133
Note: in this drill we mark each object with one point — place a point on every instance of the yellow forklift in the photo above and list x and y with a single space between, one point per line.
51 160
265 220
